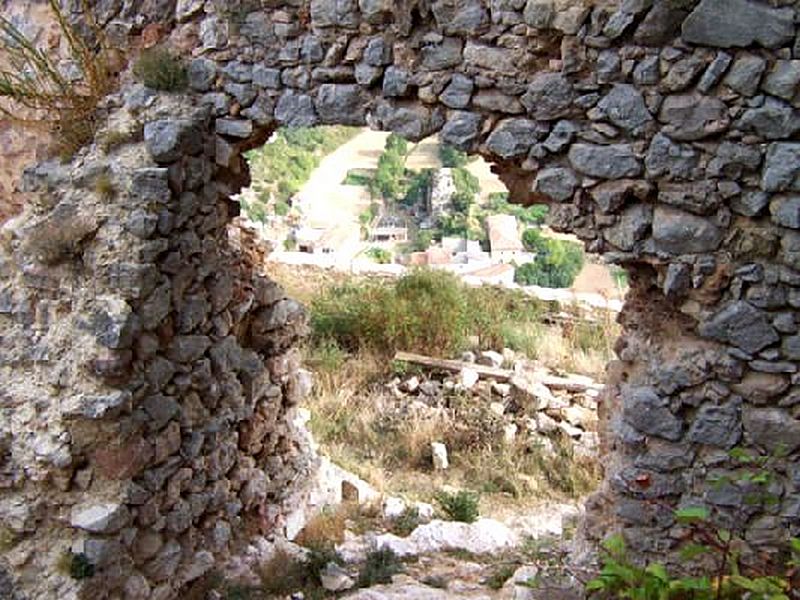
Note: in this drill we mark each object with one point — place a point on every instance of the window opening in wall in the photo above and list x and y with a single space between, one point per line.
458 343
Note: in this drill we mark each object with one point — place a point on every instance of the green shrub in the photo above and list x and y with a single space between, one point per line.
326 356
76 566
535 214
406 523
620 276
379 567
316 561
390 177
158 69
379 255
8 539
282 208
461 506
467 188
356 178
424 311
501 574
418 186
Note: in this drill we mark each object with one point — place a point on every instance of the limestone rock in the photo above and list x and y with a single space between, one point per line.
649 413
745 22
772 428
693 117
605 162
439 454
549 96
742 325
100 518
678 232
335 579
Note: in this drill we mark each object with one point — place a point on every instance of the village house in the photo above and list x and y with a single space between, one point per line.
505 245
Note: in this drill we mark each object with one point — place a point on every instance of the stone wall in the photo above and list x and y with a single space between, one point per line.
148 373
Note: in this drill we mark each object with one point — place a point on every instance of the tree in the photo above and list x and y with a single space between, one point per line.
534 241
390 176
423 241
467 188
556 265
418 187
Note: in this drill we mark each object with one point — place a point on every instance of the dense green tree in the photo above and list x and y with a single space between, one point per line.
556 265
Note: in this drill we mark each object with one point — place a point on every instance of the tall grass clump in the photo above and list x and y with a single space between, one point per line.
158 69
39 95
425 311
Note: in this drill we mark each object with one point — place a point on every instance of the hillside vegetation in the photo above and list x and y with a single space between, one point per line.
281 167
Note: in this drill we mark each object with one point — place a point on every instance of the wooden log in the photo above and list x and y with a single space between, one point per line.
454 366
574 384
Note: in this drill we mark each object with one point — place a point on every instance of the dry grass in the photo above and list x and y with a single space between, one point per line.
362 427
39 95
104 186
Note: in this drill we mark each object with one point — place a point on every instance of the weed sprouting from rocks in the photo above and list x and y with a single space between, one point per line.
460 506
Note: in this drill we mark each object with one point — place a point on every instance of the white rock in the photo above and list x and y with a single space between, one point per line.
509 356
491 358
571 431
439 452
515 588
354 548
425 511
510 433
501 389
411 385
484 536
580 417
531 394
402 547
393 507
468 378
100 518
545 423
410 590
468 357
497 408
335 579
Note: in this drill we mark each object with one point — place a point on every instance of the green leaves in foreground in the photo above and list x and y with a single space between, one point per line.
620 578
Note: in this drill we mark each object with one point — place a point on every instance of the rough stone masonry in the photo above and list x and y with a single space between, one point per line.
148 372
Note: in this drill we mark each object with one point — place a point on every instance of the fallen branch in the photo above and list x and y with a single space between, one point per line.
454 366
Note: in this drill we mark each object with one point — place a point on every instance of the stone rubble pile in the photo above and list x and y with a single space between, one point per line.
534 406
